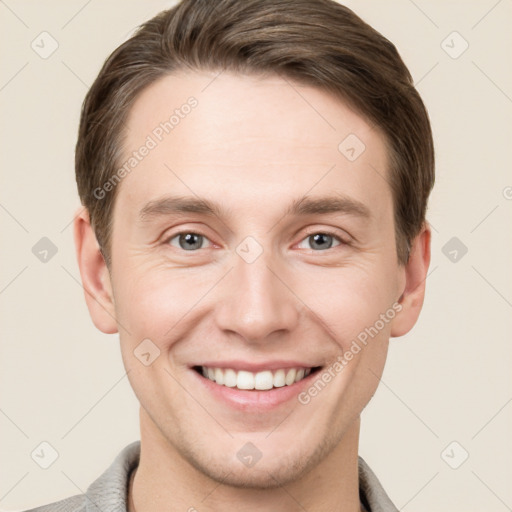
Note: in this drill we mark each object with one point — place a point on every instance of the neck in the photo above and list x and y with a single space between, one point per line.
165 480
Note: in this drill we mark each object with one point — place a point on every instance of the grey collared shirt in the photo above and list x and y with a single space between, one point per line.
108 493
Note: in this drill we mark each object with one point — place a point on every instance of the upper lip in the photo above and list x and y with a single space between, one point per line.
256 367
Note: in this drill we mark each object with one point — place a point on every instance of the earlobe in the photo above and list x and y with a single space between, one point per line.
95 275
413 295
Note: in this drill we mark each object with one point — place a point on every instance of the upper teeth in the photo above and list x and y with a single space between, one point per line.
260 380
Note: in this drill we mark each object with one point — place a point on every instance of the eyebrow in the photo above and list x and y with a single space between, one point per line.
306 205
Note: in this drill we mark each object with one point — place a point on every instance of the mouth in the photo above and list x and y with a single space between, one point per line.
254 389
263 380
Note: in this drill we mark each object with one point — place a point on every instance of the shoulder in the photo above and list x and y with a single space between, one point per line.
372 494
107 492
72 504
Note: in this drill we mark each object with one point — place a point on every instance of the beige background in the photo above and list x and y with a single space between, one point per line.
63 382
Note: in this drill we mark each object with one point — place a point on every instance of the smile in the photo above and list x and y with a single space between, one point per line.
261 381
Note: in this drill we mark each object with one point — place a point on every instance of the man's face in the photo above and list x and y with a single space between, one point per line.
254 286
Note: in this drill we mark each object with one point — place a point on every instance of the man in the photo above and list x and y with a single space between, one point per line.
255 176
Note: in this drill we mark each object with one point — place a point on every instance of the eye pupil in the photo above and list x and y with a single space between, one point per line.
319 238
190 241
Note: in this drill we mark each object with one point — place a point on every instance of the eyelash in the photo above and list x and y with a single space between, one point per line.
309 234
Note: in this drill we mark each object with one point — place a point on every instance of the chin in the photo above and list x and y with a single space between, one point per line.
270 464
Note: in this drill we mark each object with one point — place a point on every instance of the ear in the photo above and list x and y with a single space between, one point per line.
95 275
414 290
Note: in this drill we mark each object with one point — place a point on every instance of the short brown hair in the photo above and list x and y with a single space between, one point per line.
320 43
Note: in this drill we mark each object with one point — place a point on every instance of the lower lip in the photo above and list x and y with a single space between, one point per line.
254 400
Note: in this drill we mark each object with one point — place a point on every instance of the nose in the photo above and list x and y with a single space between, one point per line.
256 301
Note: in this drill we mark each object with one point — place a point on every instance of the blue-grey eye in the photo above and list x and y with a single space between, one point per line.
188 241
320 241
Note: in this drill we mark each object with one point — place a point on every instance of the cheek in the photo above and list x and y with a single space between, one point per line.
348 301
149 303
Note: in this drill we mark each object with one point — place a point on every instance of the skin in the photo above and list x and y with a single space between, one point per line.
255 144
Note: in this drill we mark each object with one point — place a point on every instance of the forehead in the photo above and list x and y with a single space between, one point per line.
251 133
